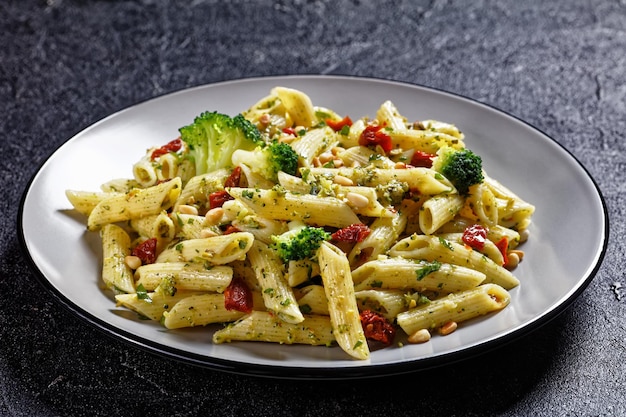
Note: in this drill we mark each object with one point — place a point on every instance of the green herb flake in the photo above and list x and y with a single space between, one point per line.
446 243
142 294
427 269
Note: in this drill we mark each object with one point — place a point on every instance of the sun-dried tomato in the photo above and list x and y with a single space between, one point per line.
353 233
146 251
373 136
234 178
422 159
290 131
503 246
376 327
231 229
218 198
172 146
237 296
339 124
475 236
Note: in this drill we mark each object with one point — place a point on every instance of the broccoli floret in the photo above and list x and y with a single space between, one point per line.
462 167
268 160
299 243
167 286
213 137
392 193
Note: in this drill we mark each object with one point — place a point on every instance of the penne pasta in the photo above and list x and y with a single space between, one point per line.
260 326
366 237
342 307
456 308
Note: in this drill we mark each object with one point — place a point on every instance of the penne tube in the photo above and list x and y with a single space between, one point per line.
134 204
320 211
434 248
313 143
300 271
342 307
217 250
389 116
198 188
116 274
199 310
442 127
151 305
384 232
423 180
119 185
159 226
297 104
85 201
489 248
144 171
186 276
389 303
312 300
438 210
423 140
457 307
277 294
261 326
402 273
483 204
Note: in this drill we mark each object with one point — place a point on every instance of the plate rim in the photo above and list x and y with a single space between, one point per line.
324 373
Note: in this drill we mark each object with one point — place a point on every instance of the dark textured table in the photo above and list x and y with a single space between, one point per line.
561 66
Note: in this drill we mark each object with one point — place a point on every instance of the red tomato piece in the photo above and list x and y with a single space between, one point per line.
376 327
503 246
475 236
373 136
338 125
237 296
290 131
172 146
234 178
231 229
218 198
422 159
353 233
146 251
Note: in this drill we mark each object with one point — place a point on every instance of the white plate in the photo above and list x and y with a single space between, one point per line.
567 243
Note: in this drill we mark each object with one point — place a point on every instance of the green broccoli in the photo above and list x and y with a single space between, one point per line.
213 137
299 242
268 160
462 167
167 286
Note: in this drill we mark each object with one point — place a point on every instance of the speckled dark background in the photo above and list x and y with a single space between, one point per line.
64 64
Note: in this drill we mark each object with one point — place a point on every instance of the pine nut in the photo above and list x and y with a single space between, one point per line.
187 209
524 234
357 200
400 165
213 216
265 118
133 262
338 163
420 336
448 328
341 180
512 260
325 157
336 150
519 253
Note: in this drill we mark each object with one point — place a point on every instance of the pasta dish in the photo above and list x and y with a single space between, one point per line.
293 224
